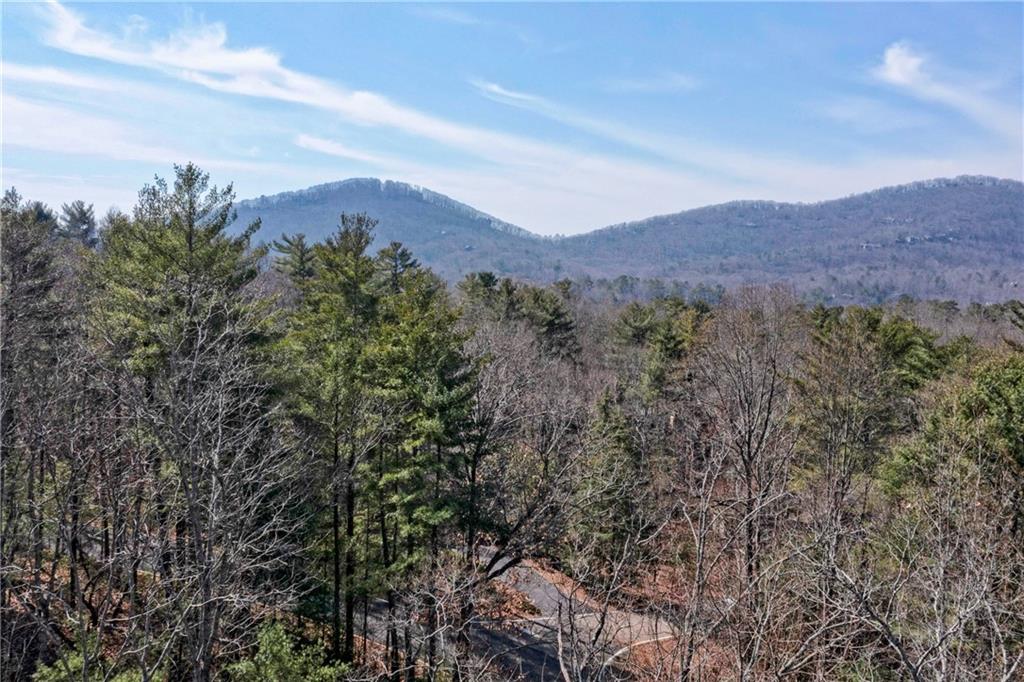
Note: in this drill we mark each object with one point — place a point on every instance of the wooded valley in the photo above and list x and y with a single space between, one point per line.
319 462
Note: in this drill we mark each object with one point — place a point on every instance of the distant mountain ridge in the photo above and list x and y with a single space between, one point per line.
388 187
934 183
960 238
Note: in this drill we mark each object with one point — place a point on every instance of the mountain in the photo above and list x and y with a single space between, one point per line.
959 238
447 235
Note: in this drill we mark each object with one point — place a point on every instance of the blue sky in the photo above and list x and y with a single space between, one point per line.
559 118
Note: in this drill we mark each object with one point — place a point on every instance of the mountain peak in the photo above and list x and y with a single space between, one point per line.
957 238
345 190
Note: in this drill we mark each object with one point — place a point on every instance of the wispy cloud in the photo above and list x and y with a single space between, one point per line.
667 81
869 115
459 17
498 93
762 174
548 186
612 130
52 128
200 55
45 127
909 70
333 148
46 75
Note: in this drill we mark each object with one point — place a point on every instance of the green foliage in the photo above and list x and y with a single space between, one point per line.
479 287
983 419
908 350
383 388
420 371
548 314
78 223
393 261
615 460
29 264
329 332
72 668
667 329
852 397
278 659
636 323
545 310
172 267
296 258
1015 316
994 402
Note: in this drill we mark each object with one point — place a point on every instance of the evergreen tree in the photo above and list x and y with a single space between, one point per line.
393 261
423 377
335 321
173 267
172 308
479 287
296 259
78 223
551 319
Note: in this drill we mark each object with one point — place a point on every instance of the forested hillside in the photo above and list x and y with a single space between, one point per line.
317 460
452 237
959 239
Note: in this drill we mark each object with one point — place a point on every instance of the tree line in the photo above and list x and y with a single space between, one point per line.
317 461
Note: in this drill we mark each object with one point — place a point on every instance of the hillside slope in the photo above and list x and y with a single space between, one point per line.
960 238
451 237
957 238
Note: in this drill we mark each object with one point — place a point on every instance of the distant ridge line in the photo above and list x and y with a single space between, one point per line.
917 185
444 201
388 186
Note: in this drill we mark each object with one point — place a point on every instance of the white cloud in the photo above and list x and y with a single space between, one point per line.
659 145
907 69
200 55
50 128
46 75
870 116
901 66
332 148
46 127
754 173
500 94
542 186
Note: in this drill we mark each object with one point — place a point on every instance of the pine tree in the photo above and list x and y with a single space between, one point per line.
393 261
78 223
171 264
172 309
329 334
551 319
297 257
480 287
423 376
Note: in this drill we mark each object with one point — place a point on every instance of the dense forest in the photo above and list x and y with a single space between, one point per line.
948 238
318 461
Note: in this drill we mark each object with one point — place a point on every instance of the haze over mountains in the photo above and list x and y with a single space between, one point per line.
960 238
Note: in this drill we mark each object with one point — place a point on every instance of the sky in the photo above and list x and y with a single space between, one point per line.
560 118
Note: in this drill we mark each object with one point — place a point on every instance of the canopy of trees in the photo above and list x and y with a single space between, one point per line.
319 462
